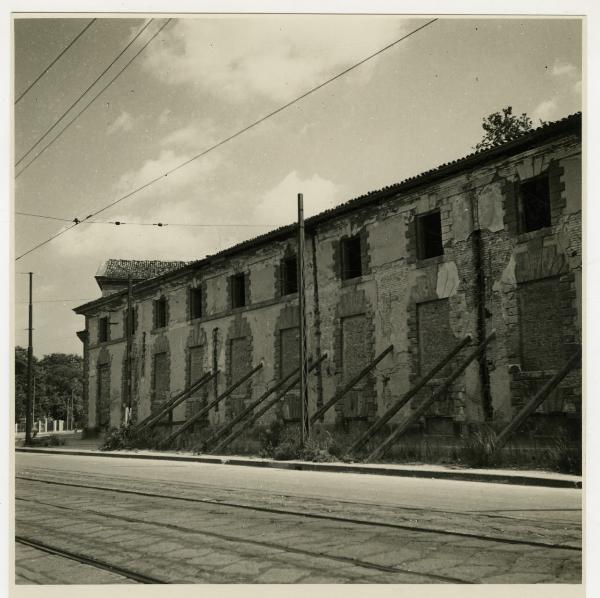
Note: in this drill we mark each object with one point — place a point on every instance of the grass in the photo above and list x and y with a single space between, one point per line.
281 441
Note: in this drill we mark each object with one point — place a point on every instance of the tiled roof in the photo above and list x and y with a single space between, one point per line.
139 269
569 124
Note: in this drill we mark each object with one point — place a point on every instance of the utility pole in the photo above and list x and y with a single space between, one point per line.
305 416
129 333
30 382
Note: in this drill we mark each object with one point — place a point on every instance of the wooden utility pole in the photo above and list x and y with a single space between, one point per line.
29 404
305 417
129 333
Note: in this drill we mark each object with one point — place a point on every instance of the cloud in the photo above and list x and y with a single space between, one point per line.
546 110
164 116
279 205
194 136
561 69
124 122
277 57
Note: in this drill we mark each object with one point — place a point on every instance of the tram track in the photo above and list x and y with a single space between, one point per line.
88 560
359 563
313 515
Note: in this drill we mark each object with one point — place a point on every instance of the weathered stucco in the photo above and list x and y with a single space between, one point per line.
478 276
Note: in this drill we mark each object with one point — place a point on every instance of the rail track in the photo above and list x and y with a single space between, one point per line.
487 513
321 516
142 578
88 560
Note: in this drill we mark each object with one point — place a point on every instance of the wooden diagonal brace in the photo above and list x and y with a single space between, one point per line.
411 393
265 407
422 408
197 416
347 387
537 400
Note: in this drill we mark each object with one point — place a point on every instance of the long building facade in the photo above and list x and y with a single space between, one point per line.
490 242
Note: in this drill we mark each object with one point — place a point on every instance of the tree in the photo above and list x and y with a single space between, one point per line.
58 377
503 126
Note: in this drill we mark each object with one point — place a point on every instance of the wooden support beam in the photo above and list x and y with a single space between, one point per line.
422 408
341 393
190 422
537 400
266 407
177 400
377 425
184 393
229 425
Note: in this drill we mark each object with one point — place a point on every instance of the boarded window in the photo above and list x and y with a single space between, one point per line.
195 303
196 364
429 235
289 361
103 407
289 355
240 362
534 203
238 290
160 313
351 257
435 336
541 324
160 382
103 330
289 275
195 372
355 356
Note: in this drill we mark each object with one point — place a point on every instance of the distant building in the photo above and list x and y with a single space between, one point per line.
491 241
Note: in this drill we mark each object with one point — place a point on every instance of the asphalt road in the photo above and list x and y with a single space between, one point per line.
129 521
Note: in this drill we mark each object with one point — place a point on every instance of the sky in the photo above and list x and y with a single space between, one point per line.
415 106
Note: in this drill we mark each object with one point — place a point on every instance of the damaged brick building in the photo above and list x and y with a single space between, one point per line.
489 242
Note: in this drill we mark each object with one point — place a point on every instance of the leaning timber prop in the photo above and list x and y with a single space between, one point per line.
240 416
379 423
175 401
537 400
422 408
184 394
200 414
346 388
266 407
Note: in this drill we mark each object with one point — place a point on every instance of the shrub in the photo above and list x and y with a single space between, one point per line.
126 437
51 440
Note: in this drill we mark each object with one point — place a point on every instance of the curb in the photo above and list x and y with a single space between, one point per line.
465 476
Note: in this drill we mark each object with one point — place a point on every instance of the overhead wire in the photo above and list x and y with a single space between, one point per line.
81 96
60 55
157 224
234 135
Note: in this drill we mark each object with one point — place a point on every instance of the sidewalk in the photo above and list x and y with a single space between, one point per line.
76 446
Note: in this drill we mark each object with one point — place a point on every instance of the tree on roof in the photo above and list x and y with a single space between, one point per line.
500 127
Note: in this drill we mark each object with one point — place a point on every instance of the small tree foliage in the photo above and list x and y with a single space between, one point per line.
503 126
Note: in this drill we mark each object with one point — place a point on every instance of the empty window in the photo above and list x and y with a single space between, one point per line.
238 290
351 258
160 313
429 235
534 203
195 303
133 321
103 329
289 275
